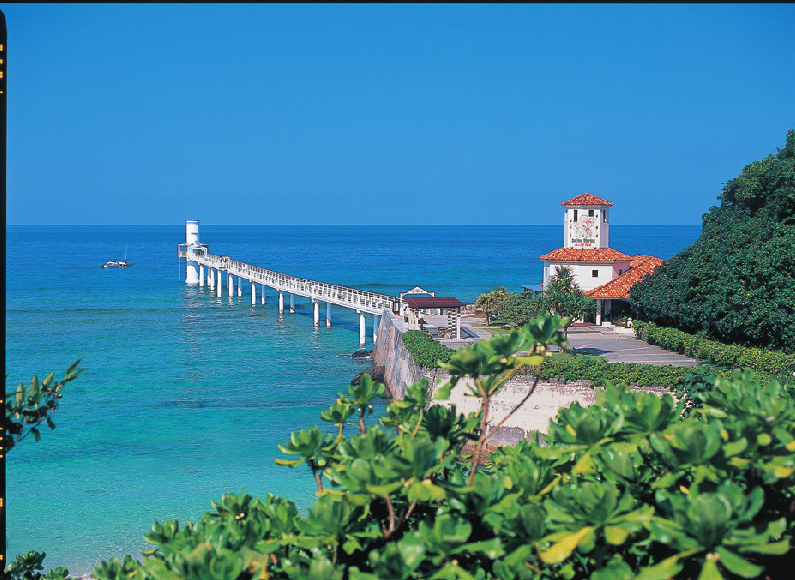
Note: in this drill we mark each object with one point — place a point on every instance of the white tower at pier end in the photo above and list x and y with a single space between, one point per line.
192 243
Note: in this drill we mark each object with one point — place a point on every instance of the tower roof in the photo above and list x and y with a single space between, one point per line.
585 255
586 199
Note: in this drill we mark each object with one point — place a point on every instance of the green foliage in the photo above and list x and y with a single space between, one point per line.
427 352
28 407
563 296
628 488
492 301
736 283
599 372
29 566
520 308
768 363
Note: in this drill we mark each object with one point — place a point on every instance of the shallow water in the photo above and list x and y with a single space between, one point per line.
187 395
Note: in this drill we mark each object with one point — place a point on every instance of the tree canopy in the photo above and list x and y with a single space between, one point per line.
736 283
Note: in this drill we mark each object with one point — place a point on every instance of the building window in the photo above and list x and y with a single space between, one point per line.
604 215
575 215
620 271
595 273
590 213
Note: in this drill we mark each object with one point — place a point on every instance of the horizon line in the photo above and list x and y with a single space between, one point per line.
327 225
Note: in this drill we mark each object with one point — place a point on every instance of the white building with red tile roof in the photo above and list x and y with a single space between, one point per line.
601 271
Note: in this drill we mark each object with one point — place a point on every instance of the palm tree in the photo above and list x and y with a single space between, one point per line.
563 296
486 303
491 301
563 279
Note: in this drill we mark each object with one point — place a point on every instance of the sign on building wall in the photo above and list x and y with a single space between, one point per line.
583 232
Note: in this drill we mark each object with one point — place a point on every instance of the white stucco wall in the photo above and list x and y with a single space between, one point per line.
583 273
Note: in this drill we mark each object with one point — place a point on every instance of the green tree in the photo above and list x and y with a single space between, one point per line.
736 283
563 296
491 302
520 308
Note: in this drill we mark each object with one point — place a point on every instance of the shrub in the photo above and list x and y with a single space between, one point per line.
768 363
599 372
427 352
628 488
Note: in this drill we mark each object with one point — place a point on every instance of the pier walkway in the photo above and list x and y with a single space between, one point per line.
363 302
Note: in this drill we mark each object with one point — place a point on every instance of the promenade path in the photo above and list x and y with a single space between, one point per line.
614 344
618 345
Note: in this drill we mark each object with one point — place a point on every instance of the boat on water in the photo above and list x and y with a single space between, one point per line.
118 263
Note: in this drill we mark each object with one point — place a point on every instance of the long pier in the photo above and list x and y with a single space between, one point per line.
202 268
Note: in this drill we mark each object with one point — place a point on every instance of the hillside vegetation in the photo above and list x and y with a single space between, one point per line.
736 283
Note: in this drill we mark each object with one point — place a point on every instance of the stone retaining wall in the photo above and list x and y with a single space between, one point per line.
534 415
390 352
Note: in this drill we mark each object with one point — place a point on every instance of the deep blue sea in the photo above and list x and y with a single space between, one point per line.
187 395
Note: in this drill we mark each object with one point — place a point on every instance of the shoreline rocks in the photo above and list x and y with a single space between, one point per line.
377 374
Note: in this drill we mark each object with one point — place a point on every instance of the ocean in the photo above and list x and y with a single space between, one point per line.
187 395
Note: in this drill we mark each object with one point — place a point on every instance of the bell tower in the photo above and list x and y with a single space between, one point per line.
585 223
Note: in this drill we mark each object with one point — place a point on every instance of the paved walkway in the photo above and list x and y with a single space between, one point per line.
616 345
623 347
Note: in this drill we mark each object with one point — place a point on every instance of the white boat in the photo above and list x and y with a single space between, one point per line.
118 263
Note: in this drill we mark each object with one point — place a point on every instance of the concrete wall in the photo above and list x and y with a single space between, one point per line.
390 352
534 415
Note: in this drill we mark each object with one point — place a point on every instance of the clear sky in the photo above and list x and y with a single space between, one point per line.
388 114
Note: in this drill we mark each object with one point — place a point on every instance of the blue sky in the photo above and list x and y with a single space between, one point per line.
388 114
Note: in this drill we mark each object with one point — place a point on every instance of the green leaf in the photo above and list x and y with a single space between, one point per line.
737 564
443 392
563 548
710 570
665 570
773 548
616 535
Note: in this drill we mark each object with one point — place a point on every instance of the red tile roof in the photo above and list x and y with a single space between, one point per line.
433 302
640 266
585 255
587 199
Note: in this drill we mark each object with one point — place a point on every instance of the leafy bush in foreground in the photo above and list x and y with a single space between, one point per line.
627 489
29 566
27 408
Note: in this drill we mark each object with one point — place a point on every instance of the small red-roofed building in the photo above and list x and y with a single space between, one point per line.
600 271
446 305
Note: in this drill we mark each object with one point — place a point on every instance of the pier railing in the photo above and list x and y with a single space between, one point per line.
361 300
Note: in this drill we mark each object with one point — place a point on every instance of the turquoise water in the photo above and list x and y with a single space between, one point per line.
187 395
